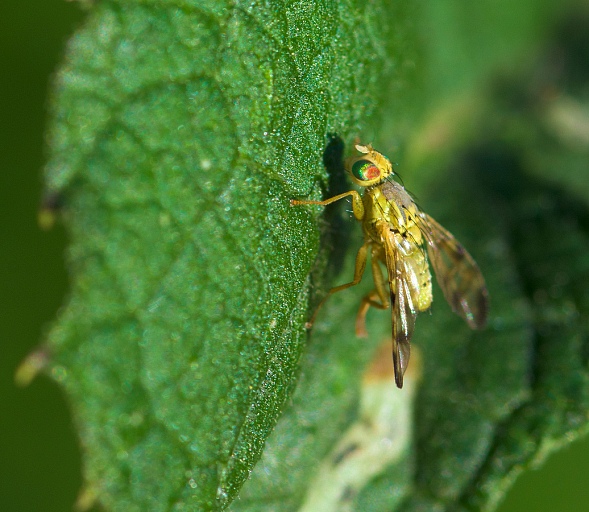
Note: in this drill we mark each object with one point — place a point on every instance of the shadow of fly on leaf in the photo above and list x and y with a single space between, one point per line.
400 236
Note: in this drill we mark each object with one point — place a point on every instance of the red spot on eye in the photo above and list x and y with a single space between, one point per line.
372 172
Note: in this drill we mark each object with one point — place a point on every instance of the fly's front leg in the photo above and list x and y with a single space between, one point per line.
357 204
377 298
358 272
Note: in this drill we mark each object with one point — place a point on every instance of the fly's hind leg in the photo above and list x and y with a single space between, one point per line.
377 298
358 272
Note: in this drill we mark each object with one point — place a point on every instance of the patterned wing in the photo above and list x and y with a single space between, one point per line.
457 273
403 310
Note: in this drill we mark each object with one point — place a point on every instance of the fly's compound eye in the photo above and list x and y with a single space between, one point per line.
365 170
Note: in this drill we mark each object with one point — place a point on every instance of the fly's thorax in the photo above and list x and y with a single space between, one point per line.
378 209
389 202
395 193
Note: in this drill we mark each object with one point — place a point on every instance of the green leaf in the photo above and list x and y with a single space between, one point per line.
180 132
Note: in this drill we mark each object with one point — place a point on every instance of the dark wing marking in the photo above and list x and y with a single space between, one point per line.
457 273
403 312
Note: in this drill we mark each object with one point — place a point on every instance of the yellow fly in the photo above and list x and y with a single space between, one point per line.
398 234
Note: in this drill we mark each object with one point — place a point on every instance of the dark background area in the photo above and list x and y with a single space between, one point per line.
39 456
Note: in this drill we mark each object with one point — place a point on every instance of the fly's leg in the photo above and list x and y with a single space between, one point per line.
367 301
358 272
377 298
358 207
357 204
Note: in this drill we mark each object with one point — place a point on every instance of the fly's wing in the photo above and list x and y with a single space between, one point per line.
457 273
403 311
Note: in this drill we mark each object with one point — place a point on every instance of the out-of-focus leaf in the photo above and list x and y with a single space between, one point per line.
475 437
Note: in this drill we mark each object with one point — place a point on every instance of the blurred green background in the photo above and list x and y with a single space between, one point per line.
39 456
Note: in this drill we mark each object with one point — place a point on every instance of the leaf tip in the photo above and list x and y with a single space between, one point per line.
32 365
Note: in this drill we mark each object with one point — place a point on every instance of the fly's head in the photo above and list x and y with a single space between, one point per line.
369 168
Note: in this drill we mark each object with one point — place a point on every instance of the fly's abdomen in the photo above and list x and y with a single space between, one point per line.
416 271
423 296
